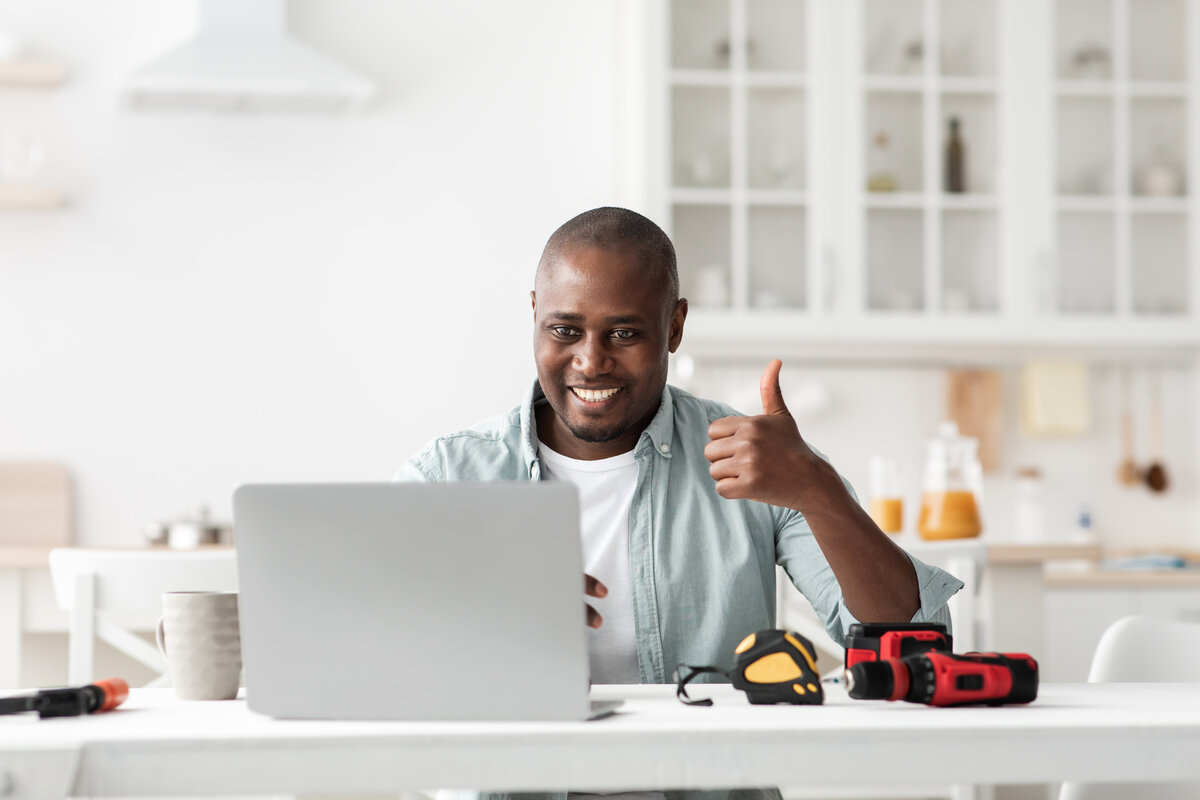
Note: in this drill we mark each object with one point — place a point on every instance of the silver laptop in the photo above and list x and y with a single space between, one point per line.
409 601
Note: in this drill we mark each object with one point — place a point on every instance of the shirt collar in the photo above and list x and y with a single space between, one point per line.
659 433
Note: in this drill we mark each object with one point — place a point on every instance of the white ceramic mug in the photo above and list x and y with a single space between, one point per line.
200 637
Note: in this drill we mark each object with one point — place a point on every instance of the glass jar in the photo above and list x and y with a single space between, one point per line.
952 487
886 499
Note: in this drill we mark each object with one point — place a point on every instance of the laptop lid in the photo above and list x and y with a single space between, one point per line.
412 601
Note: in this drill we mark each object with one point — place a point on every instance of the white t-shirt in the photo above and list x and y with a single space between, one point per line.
605 493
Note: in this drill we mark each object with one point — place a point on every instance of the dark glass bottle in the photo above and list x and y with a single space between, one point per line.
956 164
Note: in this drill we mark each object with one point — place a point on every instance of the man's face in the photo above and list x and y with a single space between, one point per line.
602 329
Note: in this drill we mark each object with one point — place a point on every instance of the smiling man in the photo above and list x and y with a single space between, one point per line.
687 506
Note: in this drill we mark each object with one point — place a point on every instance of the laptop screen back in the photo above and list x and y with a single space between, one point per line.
410 601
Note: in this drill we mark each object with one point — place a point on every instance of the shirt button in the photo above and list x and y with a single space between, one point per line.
664 447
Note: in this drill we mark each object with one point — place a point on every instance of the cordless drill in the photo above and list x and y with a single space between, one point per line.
69 702
938 678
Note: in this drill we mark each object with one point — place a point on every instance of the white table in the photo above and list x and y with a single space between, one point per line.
156 745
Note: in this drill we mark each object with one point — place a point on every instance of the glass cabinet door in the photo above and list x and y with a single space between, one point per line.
928 153
739 117
1121 107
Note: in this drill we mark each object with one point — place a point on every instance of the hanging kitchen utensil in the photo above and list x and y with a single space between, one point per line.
1127 471
1156 472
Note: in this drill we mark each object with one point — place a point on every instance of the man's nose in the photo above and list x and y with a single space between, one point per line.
592 357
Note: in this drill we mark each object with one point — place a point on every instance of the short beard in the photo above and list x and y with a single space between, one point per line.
594 435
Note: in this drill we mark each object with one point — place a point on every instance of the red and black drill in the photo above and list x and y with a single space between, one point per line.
938 678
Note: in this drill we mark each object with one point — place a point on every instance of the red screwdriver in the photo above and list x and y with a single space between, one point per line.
102 695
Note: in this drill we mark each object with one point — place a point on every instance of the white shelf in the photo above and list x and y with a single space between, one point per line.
953 85
1087 203
777 197
1156 89
1162 89
782 80
30 198
701 77
967 202
1109 204
894 83
699 196
910 200
1159 205
920 83
31 73
919 201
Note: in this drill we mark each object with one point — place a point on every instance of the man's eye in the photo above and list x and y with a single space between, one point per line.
623 335
562 331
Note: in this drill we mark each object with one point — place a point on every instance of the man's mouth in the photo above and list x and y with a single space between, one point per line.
594 395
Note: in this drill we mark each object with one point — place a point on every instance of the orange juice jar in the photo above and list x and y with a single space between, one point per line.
953 486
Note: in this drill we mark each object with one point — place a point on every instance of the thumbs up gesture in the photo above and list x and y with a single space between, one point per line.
764 457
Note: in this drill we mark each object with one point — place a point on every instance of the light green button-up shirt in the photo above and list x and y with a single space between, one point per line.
702 567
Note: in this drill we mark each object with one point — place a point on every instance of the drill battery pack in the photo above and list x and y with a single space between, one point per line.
877 641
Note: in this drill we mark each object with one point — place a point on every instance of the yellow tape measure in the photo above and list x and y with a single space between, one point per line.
771 666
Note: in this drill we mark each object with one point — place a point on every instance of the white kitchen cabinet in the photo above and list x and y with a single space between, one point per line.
805 161
1077 617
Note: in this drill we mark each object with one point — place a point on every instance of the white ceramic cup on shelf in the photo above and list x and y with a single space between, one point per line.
200 637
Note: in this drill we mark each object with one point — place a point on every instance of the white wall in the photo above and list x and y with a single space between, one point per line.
291 298
307 298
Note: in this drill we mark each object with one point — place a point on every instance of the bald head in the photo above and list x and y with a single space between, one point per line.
617 229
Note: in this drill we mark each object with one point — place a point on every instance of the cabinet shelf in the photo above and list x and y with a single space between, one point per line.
723 79
1156 89
702 197
701 77
776 197
1108 204
918 201
31 73
916 83
784 80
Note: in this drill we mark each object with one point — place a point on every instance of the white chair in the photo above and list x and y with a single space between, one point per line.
1143 650
109 594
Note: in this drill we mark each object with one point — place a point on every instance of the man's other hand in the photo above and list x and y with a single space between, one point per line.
762 458
594 588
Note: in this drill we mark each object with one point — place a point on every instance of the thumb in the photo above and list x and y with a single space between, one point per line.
772 395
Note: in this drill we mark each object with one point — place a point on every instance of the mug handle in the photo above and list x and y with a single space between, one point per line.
160 637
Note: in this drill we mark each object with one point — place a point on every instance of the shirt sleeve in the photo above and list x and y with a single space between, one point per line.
799 554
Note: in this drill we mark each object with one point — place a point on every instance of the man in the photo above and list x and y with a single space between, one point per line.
686 505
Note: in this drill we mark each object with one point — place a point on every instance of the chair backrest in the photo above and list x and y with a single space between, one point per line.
35 504
130 583
1147 650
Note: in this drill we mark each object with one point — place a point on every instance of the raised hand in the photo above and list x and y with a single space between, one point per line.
763 457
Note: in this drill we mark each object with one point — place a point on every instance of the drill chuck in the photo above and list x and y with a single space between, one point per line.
871 680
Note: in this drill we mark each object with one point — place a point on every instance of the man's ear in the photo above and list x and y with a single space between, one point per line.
533 301
675 331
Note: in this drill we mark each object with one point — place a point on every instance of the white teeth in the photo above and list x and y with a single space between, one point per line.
595 395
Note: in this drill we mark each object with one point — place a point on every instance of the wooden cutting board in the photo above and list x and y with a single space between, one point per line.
35 504
975 401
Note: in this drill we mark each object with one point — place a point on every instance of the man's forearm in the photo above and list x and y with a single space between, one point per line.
878 581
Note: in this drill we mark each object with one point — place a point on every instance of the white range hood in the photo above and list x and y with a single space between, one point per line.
242 59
